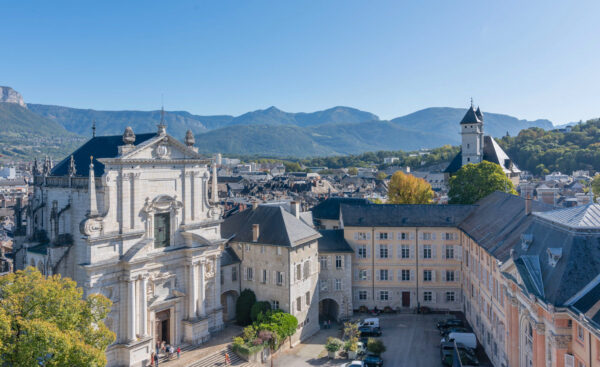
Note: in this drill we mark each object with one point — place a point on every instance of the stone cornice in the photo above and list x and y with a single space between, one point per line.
116 236
154 162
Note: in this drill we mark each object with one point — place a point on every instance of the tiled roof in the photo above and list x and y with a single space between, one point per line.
229 257
333 240
330 208
39 249
98 147
392 215
578 217
589 304
471 117
276 227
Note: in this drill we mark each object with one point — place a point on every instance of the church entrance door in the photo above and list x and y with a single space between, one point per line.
163 326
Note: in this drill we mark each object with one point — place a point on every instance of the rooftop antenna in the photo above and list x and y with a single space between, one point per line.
93 128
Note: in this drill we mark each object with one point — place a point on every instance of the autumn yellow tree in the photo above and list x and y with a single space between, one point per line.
46 321
408 189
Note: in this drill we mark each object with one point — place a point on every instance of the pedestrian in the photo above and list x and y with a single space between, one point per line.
156 359
227 360
178 352
162 347
171 352
152 359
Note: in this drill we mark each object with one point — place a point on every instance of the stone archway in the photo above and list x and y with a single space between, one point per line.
526 342
329 309
228 300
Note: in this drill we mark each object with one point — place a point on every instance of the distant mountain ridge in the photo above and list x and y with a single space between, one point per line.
268 132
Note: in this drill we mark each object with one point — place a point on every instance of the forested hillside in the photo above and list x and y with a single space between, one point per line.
541 151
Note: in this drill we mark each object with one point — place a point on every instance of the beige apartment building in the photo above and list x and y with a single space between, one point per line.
405 256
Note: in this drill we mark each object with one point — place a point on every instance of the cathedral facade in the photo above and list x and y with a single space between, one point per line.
129 217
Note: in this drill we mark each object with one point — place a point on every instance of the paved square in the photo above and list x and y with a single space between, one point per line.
411 341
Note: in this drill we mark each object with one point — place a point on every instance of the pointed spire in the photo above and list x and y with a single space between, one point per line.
471 102
215 188
92 190
93 128
479 113
36 167
72 169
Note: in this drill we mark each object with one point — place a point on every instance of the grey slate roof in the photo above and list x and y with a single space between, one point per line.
392 215
330 208
578 217
589 304
39 249
98 147
276 227
497 222
576 268
229 257
471 117
333 240
492 152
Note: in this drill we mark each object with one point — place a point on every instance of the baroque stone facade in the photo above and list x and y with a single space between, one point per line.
129 217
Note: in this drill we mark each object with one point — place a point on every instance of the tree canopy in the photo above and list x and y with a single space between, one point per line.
243 307
476 181
46 320
408 189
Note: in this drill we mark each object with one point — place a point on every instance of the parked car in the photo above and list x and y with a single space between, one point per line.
466 358
467 339
354 364
362 348
372 321
453 329
450 323
369 331
373 360
449 346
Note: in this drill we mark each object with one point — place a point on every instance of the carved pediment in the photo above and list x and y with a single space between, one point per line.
162 203
161 148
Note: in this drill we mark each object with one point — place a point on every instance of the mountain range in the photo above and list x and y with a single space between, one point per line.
269 132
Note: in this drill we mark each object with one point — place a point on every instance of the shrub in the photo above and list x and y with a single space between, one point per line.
243 307
333 344
375 346
258 308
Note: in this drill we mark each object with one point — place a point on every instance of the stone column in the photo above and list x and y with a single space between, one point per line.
135 195
202 302
131 310
193 295
539 344
218 279
125 202
144 306
184 197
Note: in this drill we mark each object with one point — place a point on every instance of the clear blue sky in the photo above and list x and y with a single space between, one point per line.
530 59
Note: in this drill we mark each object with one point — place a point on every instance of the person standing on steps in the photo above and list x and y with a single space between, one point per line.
227 360
178 352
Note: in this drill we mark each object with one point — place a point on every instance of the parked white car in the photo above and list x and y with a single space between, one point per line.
354 364
362 349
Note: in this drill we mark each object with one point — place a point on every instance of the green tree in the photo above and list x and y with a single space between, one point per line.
381 175
47 320
596 186
258 308
286 324
475 181
353 171
375 346
243 307
408 189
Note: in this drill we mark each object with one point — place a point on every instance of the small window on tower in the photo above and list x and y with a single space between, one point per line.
468 146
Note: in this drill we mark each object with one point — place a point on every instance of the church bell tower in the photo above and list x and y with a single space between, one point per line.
471 130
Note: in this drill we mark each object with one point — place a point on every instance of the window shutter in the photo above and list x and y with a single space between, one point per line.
399 250
458 252
355 294
421 253
376 274
433 275
399 235
443 275
412 274
356 235
378 251
399 275
274 277
433 248
283 279
342 284
368 235
328 262
390 293
355 274
411 251
433 236
443 251
457 276
368 275
412 236
433 297
368 252
420 235
245 273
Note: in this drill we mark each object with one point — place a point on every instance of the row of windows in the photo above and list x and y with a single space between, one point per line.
406 251
299 301
427 236
428 296
277 277
404 275
324 262
337 284
262 248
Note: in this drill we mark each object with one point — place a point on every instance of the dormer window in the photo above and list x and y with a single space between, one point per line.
554 254
526 240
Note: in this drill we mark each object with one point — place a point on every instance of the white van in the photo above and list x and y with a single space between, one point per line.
469 340
374 322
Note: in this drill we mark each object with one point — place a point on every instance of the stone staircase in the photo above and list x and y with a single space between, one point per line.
217 359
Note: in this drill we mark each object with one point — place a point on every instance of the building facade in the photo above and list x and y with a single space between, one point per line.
129 217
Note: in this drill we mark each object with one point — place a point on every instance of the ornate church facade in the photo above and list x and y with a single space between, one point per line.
129 217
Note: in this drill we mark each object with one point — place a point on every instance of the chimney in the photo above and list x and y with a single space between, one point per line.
255 232
295 209
528 204
527 190
254 205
